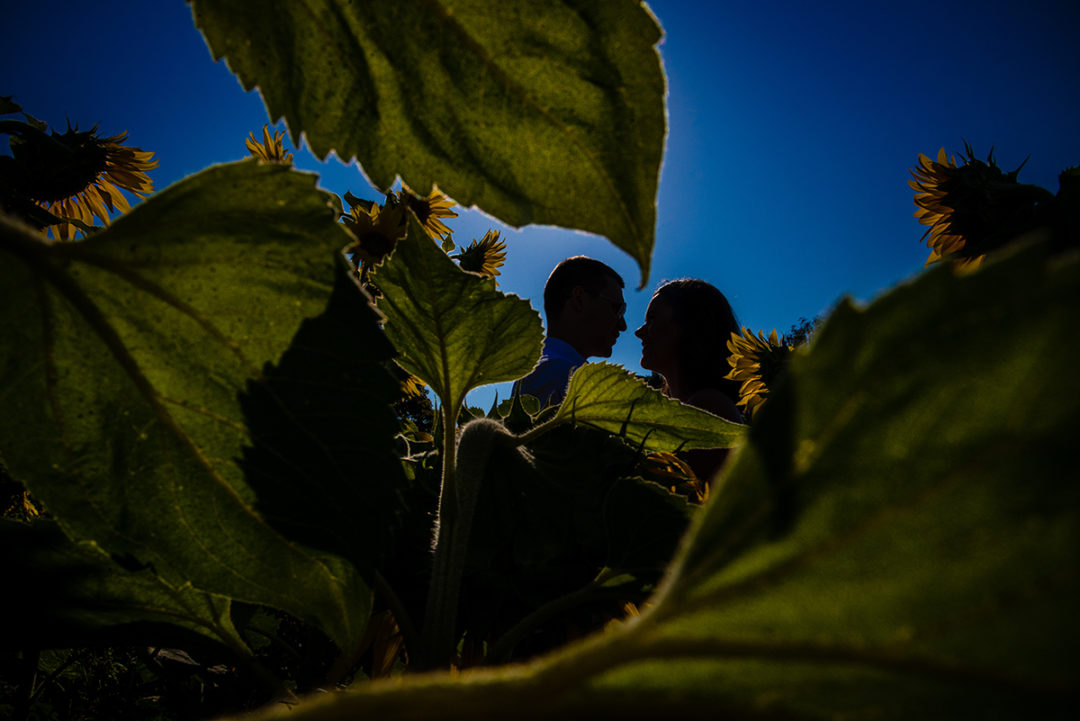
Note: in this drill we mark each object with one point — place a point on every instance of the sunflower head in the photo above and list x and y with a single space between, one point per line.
430 210
377 230
271 149
55 166
62 181
757 362
672 472
972 208
484 256
412 387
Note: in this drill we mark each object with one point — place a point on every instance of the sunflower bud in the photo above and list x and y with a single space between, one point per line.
484 256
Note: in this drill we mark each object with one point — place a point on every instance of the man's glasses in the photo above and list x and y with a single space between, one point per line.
619 306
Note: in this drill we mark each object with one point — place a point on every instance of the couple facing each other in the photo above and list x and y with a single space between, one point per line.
683 339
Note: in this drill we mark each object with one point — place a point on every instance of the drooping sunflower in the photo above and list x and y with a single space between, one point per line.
756 361
377 230
412 387
972 208
430 210
484 256
271 149
76 176
669 470
929 179
386 643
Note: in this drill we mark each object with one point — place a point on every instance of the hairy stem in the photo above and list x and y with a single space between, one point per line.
463 470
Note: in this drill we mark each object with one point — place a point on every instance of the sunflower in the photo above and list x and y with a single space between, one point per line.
928 184
271 149
972 208
756 361
386 642
430 210
484 256
412 387
674 473
76 176
377 230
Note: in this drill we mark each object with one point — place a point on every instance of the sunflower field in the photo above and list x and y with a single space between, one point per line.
219 500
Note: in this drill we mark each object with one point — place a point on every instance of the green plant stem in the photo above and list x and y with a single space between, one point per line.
534 433
463 471
426 657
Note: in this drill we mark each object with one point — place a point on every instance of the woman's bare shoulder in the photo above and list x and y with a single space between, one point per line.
715 401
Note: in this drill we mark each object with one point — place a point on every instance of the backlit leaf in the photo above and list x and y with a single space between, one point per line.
454 330
122 368
536 112
608 396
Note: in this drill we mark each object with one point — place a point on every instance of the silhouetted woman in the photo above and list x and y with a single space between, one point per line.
684 339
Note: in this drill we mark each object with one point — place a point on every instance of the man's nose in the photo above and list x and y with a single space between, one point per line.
622 323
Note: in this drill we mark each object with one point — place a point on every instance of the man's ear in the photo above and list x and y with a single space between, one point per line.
578 296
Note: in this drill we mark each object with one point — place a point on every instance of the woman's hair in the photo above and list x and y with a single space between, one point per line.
705 322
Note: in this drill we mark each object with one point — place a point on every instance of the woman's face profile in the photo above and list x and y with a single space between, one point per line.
659 337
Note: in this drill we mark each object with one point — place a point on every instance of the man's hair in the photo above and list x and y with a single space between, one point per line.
589 273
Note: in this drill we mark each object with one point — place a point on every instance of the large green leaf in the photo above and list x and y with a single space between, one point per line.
322 462
900 537
609 397
455 331
123 362
537 112
63 593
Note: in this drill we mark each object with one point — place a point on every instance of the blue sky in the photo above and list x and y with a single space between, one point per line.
792 127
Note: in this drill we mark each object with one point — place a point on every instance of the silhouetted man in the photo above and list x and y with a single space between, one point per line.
584 305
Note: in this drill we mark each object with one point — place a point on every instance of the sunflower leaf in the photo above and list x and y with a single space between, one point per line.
454 330
536 112
123 366
899 537
71 593
610 397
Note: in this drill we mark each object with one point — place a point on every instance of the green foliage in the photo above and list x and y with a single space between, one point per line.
312 417
802 332
536 112
454 330
607 396
855 559
132 439
75 590
200 398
